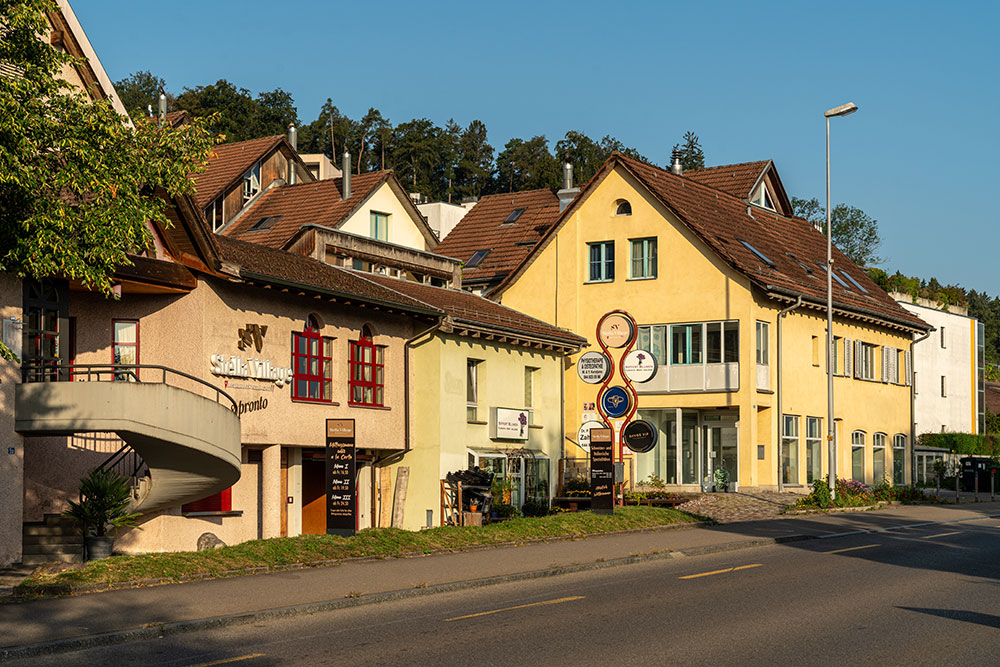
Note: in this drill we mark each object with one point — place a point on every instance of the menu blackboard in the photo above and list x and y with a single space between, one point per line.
341 467
602 471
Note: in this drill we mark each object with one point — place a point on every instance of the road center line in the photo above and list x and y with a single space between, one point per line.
840 551
728 569
226 661
520 606
931 537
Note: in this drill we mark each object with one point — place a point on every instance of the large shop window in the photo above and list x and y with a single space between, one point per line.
125 347
312 365
220 502
367 371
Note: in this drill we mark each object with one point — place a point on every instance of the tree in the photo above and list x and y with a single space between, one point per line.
587 155
527 165
475 161
241 116
691 154
416 154
77 183
854 231
140 91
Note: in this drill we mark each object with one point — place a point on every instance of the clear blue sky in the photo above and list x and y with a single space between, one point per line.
752 79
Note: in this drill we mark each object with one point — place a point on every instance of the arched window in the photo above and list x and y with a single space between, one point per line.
622 207
858 456
878 457
898 458
312 364
367 378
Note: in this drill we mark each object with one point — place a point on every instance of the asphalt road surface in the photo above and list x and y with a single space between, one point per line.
920 596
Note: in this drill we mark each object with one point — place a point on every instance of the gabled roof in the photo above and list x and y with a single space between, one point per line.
466 310
315 203
227 163
742 180
723 222
483 228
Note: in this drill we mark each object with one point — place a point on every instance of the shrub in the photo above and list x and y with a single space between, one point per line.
535 507
504 510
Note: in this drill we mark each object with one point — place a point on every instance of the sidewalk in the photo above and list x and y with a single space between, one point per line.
142 613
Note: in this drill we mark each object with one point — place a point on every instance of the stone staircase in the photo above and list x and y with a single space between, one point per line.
54 540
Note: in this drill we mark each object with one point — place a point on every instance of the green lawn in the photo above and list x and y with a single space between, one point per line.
375 542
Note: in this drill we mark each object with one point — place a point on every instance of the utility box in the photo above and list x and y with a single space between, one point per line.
973 467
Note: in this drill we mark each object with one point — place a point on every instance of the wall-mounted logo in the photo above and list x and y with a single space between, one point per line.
253 334
250 406
257 369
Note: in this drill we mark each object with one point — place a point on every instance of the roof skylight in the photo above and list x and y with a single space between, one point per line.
854 282
478 257
264 223
761 256
805 266
835 277
514 215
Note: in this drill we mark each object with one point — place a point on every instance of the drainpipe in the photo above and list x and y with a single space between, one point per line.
781 417
913 408
406 376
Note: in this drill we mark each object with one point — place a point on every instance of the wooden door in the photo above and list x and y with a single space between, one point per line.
313 497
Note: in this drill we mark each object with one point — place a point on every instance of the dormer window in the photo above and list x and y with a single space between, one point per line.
514 215
623 207
762 198
251 183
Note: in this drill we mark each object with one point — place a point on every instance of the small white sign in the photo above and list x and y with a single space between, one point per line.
583 436
639 366
509 424
593 367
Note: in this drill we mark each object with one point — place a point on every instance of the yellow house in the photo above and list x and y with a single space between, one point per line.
729 292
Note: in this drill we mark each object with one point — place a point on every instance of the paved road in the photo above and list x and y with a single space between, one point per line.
921 596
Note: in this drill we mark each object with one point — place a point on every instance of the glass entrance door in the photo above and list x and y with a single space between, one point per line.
719 452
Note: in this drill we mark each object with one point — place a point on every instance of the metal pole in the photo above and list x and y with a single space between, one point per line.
958 494
831 431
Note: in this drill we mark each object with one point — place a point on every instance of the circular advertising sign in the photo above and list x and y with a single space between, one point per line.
640 436
616 331
593 367
583 436
639 366
616 402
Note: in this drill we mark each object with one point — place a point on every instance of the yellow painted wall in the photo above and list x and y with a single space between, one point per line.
403 229
442 435
694 285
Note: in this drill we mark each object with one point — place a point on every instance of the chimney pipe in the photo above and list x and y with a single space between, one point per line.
293 139
163 108
568 192
346 175
567 175
676 163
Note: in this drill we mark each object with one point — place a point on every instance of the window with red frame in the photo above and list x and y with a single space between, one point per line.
312 365
367 371
220 502
125 347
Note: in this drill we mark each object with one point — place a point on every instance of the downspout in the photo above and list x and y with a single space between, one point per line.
781 417
407 346
913 407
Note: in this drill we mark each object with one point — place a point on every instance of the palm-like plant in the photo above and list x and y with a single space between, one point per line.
104 502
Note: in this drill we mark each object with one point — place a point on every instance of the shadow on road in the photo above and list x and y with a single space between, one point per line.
989 620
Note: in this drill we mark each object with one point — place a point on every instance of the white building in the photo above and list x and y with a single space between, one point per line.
948 373
442 216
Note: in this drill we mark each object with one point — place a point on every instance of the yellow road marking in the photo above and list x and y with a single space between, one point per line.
840 551
728 569
931 537
226 661
520 606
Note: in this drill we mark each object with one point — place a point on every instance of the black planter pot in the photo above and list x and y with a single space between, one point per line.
98 547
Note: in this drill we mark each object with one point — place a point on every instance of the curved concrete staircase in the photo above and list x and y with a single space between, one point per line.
190 443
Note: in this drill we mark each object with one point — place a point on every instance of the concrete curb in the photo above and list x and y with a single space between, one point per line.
178 627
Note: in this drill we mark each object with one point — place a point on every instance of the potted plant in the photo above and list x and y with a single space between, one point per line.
105 497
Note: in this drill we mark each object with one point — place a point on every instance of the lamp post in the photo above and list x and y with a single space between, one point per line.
842 110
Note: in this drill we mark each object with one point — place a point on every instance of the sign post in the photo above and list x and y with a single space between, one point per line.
341 469
602 471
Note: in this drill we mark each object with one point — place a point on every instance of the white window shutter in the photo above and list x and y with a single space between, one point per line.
909 368
893 364
859 359
885 364
848 357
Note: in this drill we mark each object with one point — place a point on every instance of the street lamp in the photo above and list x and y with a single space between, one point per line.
842 110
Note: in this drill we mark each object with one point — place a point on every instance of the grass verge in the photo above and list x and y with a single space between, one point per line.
317 549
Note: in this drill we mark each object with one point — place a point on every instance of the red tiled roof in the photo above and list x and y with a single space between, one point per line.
284 268
483 228
227 163
468 308
723 221
317 203
736 179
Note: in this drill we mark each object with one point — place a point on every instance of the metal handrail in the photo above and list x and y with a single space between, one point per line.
118 370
